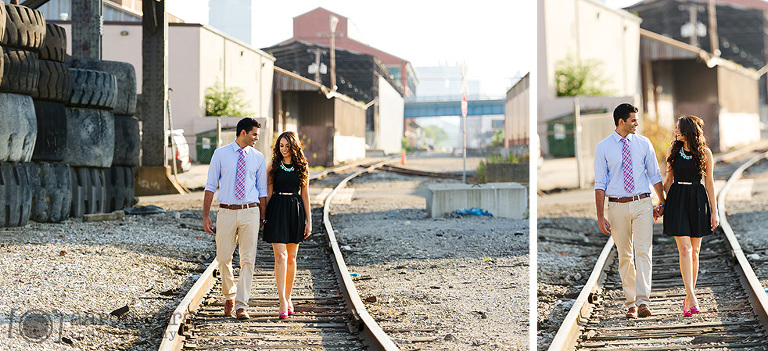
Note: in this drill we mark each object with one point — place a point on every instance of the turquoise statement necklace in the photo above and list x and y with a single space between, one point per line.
682 153
282 165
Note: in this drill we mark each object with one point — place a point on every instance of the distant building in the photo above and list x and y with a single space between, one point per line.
517 113
359 76
314 27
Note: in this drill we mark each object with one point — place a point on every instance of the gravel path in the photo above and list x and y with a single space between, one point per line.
71 276
463 280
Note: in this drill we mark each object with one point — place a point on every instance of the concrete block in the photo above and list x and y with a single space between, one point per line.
507 200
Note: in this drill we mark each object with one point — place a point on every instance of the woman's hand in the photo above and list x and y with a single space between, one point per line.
307 230
714 220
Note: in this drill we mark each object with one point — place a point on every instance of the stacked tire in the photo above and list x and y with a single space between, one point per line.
20 40
50 177
120 176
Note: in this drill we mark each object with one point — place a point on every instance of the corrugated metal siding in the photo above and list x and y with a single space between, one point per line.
350 119
287 83
315 110
651 49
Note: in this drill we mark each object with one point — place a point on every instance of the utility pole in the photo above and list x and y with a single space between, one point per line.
87 28
317 52
714 42
464 92
334 21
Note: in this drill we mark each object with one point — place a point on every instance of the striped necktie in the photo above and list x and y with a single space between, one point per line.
240 175
626 165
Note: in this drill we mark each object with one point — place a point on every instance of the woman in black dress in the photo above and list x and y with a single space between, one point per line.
289 218
690 210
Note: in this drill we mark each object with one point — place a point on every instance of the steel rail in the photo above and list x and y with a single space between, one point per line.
173 338
577 317
569 331
369 329
757 296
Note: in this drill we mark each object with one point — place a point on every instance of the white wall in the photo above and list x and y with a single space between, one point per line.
738 129
391 112
348 148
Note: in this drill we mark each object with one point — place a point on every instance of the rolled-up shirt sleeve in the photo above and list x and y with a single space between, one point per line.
652 166
261 178
601 169
214 173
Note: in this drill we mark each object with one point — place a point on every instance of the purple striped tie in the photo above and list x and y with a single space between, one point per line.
240 176
626 165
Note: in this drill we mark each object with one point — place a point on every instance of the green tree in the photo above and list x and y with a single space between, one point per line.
221 101
576 77
498 138
436 133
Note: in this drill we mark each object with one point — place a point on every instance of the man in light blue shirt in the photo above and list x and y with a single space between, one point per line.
240 173
625 167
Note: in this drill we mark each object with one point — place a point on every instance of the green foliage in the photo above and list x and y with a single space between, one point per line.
481 172
221 101
661 139
436 133
576 77
406 145
498 138
511 158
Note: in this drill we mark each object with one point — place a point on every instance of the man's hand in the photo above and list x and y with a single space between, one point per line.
207 224
605 227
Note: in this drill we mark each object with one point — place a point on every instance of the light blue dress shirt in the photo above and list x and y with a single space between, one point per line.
609 175
223 169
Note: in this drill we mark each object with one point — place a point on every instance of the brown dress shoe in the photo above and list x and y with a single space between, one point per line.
242 314
643 311
632 312
229 307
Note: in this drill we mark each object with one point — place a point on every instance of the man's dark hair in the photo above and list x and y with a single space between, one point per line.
246 124
622 111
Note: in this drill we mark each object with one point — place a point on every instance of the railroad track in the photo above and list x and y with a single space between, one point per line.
329 313
734 304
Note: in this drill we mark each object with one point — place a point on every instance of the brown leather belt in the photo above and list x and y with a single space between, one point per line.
239 207
629 199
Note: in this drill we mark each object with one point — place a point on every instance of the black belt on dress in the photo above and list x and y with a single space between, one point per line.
629 198
239 207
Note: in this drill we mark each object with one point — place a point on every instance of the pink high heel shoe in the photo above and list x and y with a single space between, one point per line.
686 313
290 309
281 315
694 309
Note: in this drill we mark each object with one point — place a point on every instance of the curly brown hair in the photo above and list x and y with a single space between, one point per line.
297 157
691 127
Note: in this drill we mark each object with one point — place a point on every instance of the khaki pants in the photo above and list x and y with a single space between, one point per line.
232 227
632 231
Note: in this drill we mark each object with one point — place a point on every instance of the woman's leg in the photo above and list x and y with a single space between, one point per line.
695 246
685 252
281 258
290 272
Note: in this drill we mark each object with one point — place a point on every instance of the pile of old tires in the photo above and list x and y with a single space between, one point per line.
59 126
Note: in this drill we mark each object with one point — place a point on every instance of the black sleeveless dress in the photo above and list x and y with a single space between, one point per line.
686 210
285 210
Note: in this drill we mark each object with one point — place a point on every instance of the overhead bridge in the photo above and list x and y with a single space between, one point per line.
475 107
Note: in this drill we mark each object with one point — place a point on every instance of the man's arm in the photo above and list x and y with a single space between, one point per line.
207 223
605 227
262 210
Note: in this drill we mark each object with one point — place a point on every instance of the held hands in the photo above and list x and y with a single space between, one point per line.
714 220
658 211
